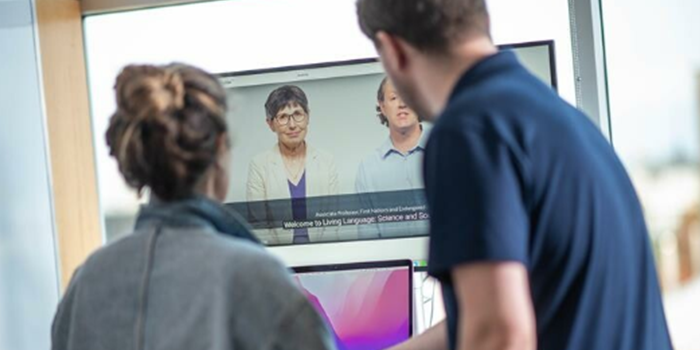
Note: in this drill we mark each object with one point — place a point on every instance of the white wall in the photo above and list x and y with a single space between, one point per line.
28 273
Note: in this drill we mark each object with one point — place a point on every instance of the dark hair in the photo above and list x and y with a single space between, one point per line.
165 132
284 96
429 25
380 99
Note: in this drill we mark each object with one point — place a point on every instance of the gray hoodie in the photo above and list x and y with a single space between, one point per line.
184 285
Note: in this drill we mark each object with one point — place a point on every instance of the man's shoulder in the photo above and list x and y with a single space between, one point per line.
481 101
501 91
507 105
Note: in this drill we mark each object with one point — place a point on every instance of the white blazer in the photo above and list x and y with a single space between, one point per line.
267 180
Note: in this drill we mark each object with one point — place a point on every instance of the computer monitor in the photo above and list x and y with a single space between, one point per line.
338 197
368 305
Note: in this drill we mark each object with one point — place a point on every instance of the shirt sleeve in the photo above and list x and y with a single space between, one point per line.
474 188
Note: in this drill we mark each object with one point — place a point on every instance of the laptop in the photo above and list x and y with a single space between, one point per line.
367 305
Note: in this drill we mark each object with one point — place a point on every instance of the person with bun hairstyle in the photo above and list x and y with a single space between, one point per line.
191 276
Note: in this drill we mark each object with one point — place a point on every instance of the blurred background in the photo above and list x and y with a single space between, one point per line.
653 67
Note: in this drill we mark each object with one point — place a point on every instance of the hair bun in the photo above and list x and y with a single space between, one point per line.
149 91
166 131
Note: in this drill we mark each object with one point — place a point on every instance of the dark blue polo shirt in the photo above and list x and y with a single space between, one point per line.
514 173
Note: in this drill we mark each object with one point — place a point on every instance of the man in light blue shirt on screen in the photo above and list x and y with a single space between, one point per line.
396 165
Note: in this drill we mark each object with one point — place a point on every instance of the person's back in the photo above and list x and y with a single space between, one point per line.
192 275
183 285
536 233
591 269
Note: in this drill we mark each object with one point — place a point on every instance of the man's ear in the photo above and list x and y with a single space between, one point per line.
222 143
393 52
381 106
223 147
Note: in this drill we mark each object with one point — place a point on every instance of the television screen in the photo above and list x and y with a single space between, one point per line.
330 152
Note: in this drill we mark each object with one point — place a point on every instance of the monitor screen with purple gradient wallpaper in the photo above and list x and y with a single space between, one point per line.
367 308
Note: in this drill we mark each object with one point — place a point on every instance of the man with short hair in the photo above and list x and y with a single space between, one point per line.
396 165
537 235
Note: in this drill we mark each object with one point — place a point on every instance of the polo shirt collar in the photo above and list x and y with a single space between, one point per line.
387 147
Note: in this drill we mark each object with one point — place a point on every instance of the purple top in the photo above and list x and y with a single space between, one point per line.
298 194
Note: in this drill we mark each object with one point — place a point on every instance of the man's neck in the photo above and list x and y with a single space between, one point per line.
440 79
405 140
299 151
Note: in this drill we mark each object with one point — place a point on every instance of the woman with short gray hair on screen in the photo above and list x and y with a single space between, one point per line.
191 276
281 178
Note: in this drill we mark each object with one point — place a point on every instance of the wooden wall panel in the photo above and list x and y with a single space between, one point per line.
76 204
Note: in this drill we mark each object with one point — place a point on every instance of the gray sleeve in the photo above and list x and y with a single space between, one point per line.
302 328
